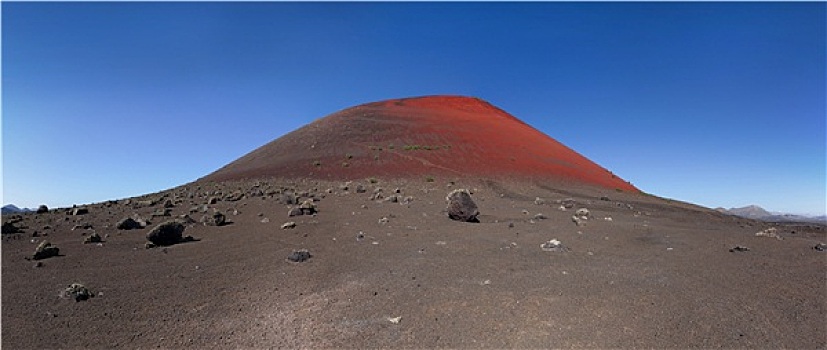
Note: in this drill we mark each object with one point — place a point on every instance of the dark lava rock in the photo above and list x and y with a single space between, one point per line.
216 219
360 189
232 197
307 207
289 199
461 207
166 233
739 248
294 212
162 212
128 224
9 227
45 250
299 256
78 292
42 209
93 238
80 211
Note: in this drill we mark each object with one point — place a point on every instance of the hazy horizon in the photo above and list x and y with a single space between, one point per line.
717 104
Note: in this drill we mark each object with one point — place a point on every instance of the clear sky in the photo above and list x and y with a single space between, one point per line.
719 104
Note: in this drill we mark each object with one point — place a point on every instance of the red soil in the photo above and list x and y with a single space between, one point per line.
414 137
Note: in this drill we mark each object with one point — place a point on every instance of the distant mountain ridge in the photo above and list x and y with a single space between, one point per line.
11 209
757 213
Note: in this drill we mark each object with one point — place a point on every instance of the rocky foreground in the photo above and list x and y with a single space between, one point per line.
407 263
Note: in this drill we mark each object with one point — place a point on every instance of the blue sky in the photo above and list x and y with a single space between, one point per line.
719 104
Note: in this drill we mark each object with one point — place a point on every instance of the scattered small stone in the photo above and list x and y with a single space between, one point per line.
820 247
298 256
78 292
539 201
307 207
392 199
80 211
288 199
770 232
360 189
162 212
216 219
739 248
525 212
383 221
576 219
288 225
45 250
461 207
38 264
235 196
407 200
608 218
583 213
553 246
394 320
169 204
93 238
265 220
294 212
212 200
604 198
82 227
539 216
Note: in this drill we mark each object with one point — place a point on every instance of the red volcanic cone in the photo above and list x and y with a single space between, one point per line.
413 137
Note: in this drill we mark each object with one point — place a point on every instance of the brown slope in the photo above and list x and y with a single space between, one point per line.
423 136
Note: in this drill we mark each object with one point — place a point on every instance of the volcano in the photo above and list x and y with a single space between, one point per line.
420 136
554 258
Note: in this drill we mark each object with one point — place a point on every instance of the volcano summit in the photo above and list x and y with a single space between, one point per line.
422 136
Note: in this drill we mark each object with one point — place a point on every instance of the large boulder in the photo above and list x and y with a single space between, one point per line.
9 227
42 209
45 250
461 207
166 233
128 224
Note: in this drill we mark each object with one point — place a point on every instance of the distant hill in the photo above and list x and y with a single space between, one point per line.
750 211
11 209
758 213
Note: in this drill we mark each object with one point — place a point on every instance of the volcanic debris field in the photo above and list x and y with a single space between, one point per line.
378 263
